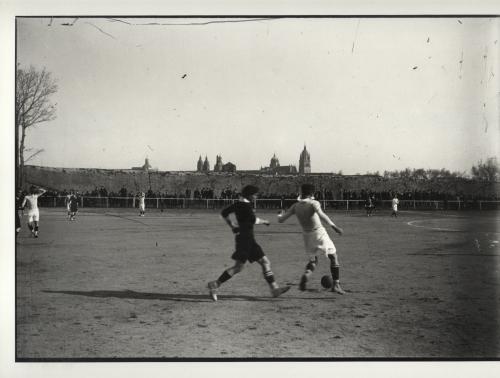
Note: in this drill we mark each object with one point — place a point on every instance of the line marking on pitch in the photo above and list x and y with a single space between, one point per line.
411 223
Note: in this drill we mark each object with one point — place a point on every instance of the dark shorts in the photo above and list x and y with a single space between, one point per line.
73 208
18 220
247 249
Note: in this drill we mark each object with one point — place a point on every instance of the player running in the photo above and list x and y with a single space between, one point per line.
316 239
142 204
247 248
395 203
31 201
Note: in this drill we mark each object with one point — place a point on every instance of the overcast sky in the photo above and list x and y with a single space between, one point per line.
364 95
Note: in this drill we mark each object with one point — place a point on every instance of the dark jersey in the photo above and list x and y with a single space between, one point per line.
246 246
244 215
73 203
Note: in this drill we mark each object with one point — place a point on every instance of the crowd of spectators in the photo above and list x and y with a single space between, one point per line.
233 193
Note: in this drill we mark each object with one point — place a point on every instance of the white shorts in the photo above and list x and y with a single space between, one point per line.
33 215
318 241
395 208
68 207
142 207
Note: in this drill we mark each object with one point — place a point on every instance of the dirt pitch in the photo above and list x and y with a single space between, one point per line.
115 285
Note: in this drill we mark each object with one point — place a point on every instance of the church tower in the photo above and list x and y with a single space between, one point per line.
199 166
218 163
206 165
146 165
304 162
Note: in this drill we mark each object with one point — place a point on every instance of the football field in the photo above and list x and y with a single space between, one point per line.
112 284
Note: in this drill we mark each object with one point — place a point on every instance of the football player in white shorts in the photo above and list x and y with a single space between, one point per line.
142 204
316 239
31 202
395 203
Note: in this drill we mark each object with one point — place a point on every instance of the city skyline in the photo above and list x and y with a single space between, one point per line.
203 165
365 95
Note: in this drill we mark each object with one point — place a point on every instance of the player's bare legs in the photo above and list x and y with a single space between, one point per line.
226 275
311 265
335 270
276 291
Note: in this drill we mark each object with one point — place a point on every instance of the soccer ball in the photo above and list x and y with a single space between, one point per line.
327 282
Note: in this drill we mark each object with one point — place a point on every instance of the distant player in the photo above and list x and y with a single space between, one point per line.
369 205
19 200
73 206
67 202
247 248
142 203
395 203
31 202
316 239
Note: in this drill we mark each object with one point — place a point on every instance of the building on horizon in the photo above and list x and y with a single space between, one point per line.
218 164
276 169
304 162
229 167
145 167
206 165
199 165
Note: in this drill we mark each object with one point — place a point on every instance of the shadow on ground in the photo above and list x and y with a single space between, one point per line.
130 294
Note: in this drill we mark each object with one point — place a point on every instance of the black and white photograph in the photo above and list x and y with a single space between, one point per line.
255 187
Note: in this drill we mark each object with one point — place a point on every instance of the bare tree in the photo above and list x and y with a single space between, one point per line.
487 171
33 106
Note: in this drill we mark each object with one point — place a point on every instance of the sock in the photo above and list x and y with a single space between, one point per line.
335 269
223 277
30 226
309 268
269 277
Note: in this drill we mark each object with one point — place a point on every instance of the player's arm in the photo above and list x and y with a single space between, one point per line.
225 215
325 218
41 191
23 204
283 216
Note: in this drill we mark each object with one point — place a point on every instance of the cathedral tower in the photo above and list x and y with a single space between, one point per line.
304 162
199 166
218 164
206 165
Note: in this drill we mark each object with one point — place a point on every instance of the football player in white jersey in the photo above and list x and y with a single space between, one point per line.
31 203
316 239
142 204
67 201
395 203
19 200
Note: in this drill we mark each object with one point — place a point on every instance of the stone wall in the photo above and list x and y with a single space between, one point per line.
177 182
